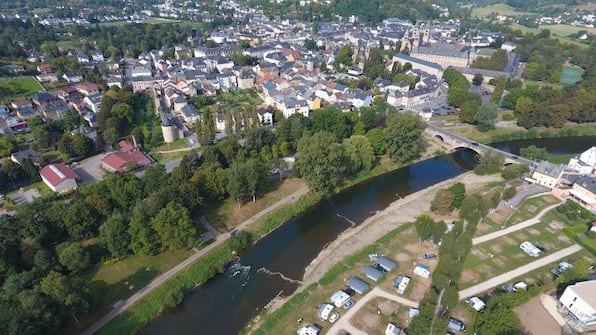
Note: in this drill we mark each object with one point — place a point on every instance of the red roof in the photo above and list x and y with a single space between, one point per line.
118 161
126 146
56 174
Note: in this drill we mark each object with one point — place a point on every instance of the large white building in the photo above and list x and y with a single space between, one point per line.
580 300
585 163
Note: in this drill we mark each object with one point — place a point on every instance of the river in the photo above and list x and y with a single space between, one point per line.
272 266
226 303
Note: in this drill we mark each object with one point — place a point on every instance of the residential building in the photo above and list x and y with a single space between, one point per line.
59 178
580 301
547 174
583 192
419 64
72 77
129 157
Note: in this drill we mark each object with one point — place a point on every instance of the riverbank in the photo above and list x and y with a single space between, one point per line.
355 239
144 310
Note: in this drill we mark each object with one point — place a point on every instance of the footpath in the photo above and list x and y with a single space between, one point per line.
122 306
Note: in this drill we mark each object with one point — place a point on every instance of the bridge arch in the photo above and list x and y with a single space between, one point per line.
477 152
438 136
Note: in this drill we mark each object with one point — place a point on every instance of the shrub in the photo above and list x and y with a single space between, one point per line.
509 193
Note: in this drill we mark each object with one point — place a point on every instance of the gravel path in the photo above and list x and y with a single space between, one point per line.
514 228
503 278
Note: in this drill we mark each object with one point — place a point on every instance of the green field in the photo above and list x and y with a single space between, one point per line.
500 8
10 88
558 32
571 74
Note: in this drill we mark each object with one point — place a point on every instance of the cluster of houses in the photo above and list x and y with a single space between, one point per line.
84 98
575 181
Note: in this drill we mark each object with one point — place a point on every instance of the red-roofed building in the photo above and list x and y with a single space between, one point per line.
45 69
129 157
59 177
88 88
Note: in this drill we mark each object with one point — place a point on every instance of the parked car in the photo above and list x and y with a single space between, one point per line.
428 256
333 317
348 304
505 288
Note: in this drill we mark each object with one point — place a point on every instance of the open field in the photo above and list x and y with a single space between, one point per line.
18 87
229 214
501 255
374 317
499 8
558 31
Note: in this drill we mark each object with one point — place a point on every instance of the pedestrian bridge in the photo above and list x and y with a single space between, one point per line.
455 141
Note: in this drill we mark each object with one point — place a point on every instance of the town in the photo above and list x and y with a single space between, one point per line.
141 142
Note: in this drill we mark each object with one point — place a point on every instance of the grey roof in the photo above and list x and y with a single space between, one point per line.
442 49
411 59
372 273
485 73
549 169
587 182
357 284
386 263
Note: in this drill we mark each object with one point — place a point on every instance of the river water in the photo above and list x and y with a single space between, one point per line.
226 303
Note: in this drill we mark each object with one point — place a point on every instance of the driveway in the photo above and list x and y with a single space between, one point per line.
89 169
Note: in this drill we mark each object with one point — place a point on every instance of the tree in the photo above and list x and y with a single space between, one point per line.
229 123
424 226
486 116
377 140
498 91
403 134
123 112
459 193
509 193
173 227
359 153
534 153
498 320
468 111
514 171
470 210
6 147
256 174
310 44
30 170
81 145
344 57
490 163
113 233
442 203
142 236
320 160
478 79
73 256
69 292
331 120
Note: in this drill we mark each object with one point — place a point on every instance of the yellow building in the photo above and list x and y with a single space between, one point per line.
547 174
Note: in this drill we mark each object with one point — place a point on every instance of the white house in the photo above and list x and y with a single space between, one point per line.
585 163
59 177
265 116
580 300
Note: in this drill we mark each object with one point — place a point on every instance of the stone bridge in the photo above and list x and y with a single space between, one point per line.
455 141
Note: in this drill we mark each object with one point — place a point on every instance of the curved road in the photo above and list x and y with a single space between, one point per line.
122 306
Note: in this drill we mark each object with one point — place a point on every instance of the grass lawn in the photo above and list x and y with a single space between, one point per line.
499 256
177 144
229 214
560 159
374 317
528 82
558 32
110 283
515 132
14 88
169 156
530 208
499 8
41 187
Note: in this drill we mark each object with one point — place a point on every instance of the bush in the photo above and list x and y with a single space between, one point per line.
509 193
173 298
508 117
491 163
514 171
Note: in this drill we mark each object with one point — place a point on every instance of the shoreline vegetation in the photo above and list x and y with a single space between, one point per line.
313 278
155 303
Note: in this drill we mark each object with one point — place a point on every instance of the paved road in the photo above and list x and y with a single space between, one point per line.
344 324
505 277
511 229
124 305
